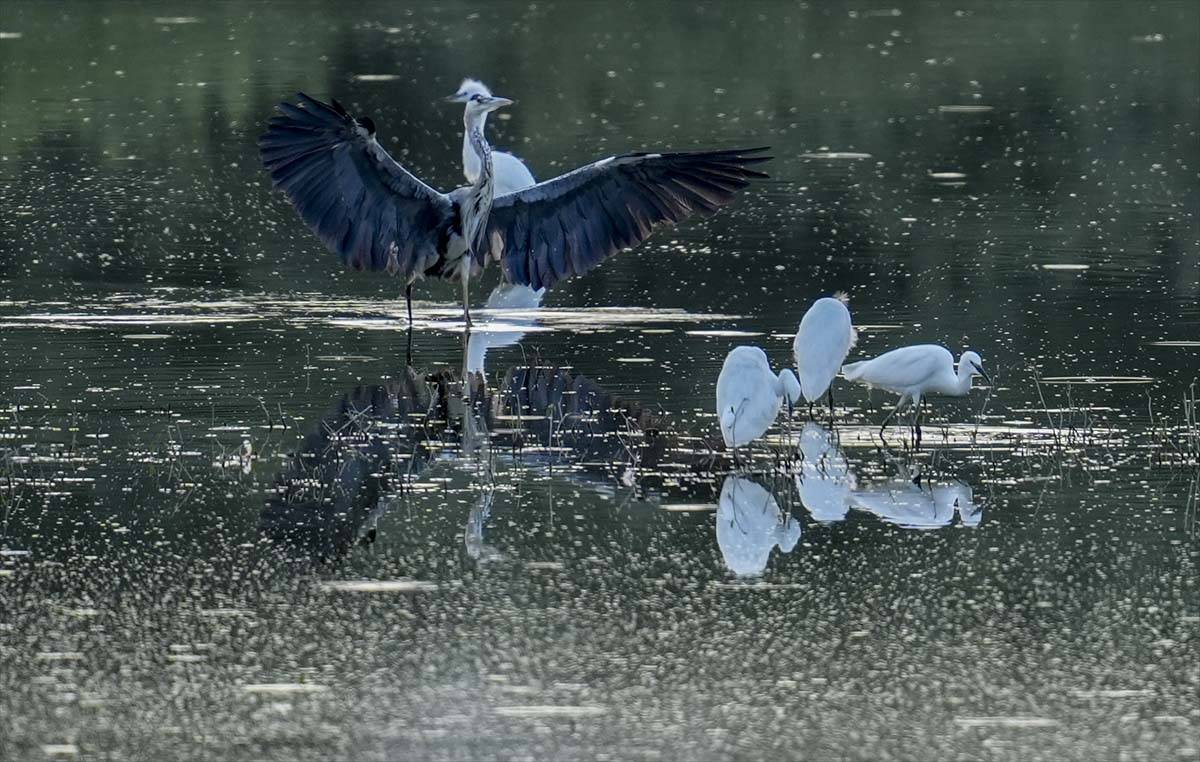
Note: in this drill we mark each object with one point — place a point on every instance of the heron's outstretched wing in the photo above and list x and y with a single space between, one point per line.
568 225
363 205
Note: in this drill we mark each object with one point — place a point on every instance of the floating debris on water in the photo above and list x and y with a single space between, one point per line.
965 109
283 688
689 507
145 336
60 750
848 155
1175 343
1006 722
375 77
346 358
1066 267
546 710
379 586
170 20
1099 380
1113 694
727 332
545 565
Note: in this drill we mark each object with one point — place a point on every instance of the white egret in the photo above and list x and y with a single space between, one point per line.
510 173
499 329
916 372
825 480
749 395
749 526
822 342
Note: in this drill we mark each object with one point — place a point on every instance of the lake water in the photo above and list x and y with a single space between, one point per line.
233 525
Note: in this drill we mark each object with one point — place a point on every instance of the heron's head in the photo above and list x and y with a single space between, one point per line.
468 88
973 363
478 99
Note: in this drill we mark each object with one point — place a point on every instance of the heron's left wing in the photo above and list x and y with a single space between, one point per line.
365 207
568 225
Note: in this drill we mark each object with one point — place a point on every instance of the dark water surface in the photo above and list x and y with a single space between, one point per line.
234 526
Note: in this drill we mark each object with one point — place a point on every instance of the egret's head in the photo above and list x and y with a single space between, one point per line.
973 364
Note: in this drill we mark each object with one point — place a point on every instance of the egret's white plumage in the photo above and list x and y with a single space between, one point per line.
905 504
511 174
916 372
750 525
825 480
498 329
822 342
749 395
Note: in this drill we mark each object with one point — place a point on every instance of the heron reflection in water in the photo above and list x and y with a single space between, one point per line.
378 439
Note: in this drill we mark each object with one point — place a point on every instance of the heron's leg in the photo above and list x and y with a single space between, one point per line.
408 298
466 302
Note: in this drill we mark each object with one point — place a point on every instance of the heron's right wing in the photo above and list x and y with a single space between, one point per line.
568 225
364 206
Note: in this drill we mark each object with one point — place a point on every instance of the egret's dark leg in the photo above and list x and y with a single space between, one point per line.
810 411
830 393
408 298
890 416
917 410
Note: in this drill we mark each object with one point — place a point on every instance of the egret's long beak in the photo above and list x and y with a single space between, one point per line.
498 102
983 373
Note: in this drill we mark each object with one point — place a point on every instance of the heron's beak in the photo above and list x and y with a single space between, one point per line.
983 373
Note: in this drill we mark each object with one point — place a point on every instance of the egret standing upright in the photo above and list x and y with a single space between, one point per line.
916 372
821 345
378 216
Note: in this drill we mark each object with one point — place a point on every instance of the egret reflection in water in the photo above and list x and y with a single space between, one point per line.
825 481
509 312
911 504
750 524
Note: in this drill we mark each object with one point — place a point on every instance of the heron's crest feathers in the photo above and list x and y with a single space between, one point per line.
471 86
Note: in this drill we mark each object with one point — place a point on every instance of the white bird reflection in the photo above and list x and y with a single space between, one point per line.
907 504
498 329
477 549
750 524
825 481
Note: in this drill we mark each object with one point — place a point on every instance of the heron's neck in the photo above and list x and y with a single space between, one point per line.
472 164
476 145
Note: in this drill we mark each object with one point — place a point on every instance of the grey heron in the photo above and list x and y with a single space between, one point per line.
378 216
509 172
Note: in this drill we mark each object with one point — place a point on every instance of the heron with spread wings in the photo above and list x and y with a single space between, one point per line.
378 216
